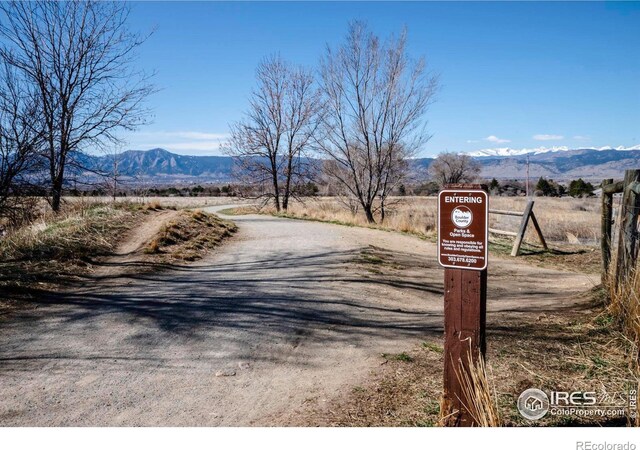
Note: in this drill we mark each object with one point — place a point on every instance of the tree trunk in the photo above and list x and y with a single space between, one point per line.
57 175
276 188
287 186
276 202
369 213
56 193
285 197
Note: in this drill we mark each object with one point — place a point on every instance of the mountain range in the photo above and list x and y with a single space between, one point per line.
163 166
560 164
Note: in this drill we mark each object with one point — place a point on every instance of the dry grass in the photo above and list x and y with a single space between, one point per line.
569 257
164 202
624 306
415 215
188 236
578 350
480 398
561 219
58 248
624 309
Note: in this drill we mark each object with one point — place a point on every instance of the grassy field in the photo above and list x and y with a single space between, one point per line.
55 249
166 202
561 219
63 248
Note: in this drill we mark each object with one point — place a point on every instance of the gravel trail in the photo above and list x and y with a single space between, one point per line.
285 314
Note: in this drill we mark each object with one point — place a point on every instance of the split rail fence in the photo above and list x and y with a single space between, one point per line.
619 241
526 216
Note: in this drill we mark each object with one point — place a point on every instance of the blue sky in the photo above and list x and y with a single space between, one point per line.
518 75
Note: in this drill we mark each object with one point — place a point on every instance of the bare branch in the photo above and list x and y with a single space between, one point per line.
79 58
454 168
269 145
375 100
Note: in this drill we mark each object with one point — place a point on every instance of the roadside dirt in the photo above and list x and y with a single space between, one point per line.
130 248
285 316
141 234
167 237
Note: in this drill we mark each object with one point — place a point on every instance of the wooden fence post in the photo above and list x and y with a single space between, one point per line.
465 311
519 236
628 241
523 229
605 229
536 226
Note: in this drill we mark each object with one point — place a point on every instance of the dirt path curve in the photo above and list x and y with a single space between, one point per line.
128 251
285 315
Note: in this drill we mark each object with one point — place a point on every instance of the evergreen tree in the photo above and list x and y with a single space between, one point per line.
545 187
579 188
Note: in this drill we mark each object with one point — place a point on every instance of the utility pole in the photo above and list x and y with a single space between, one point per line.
527 175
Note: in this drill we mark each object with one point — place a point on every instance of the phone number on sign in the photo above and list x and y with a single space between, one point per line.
462 259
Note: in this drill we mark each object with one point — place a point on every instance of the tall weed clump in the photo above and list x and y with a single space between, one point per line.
624 305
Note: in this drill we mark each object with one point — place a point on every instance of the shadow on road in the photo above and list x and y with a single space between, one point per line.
265 297
325 298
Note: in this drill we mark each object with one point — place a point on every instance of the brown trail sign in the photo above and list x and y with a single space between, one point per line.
463 217
463 251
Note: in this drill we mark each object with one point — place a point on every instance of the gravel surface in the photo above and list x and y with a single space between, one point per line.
286 314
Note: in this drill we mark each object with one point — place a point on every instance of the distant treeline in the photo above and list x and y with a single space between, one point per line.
507 188
512 188
226 190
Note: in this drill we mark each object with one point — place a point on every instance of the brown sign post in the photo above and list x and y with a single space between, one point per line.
463 211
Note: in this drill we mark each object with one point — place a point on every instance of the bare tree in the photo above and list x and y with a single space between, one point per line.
79 56
114 177
302 112
20 141
375 100
451 167
269 145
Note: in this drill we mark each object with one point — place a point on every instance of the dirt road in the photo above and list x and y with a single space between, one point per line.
285 315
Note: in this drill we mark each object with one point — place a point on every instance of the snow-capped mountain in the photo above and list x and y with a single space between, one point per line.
560 163
506 151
